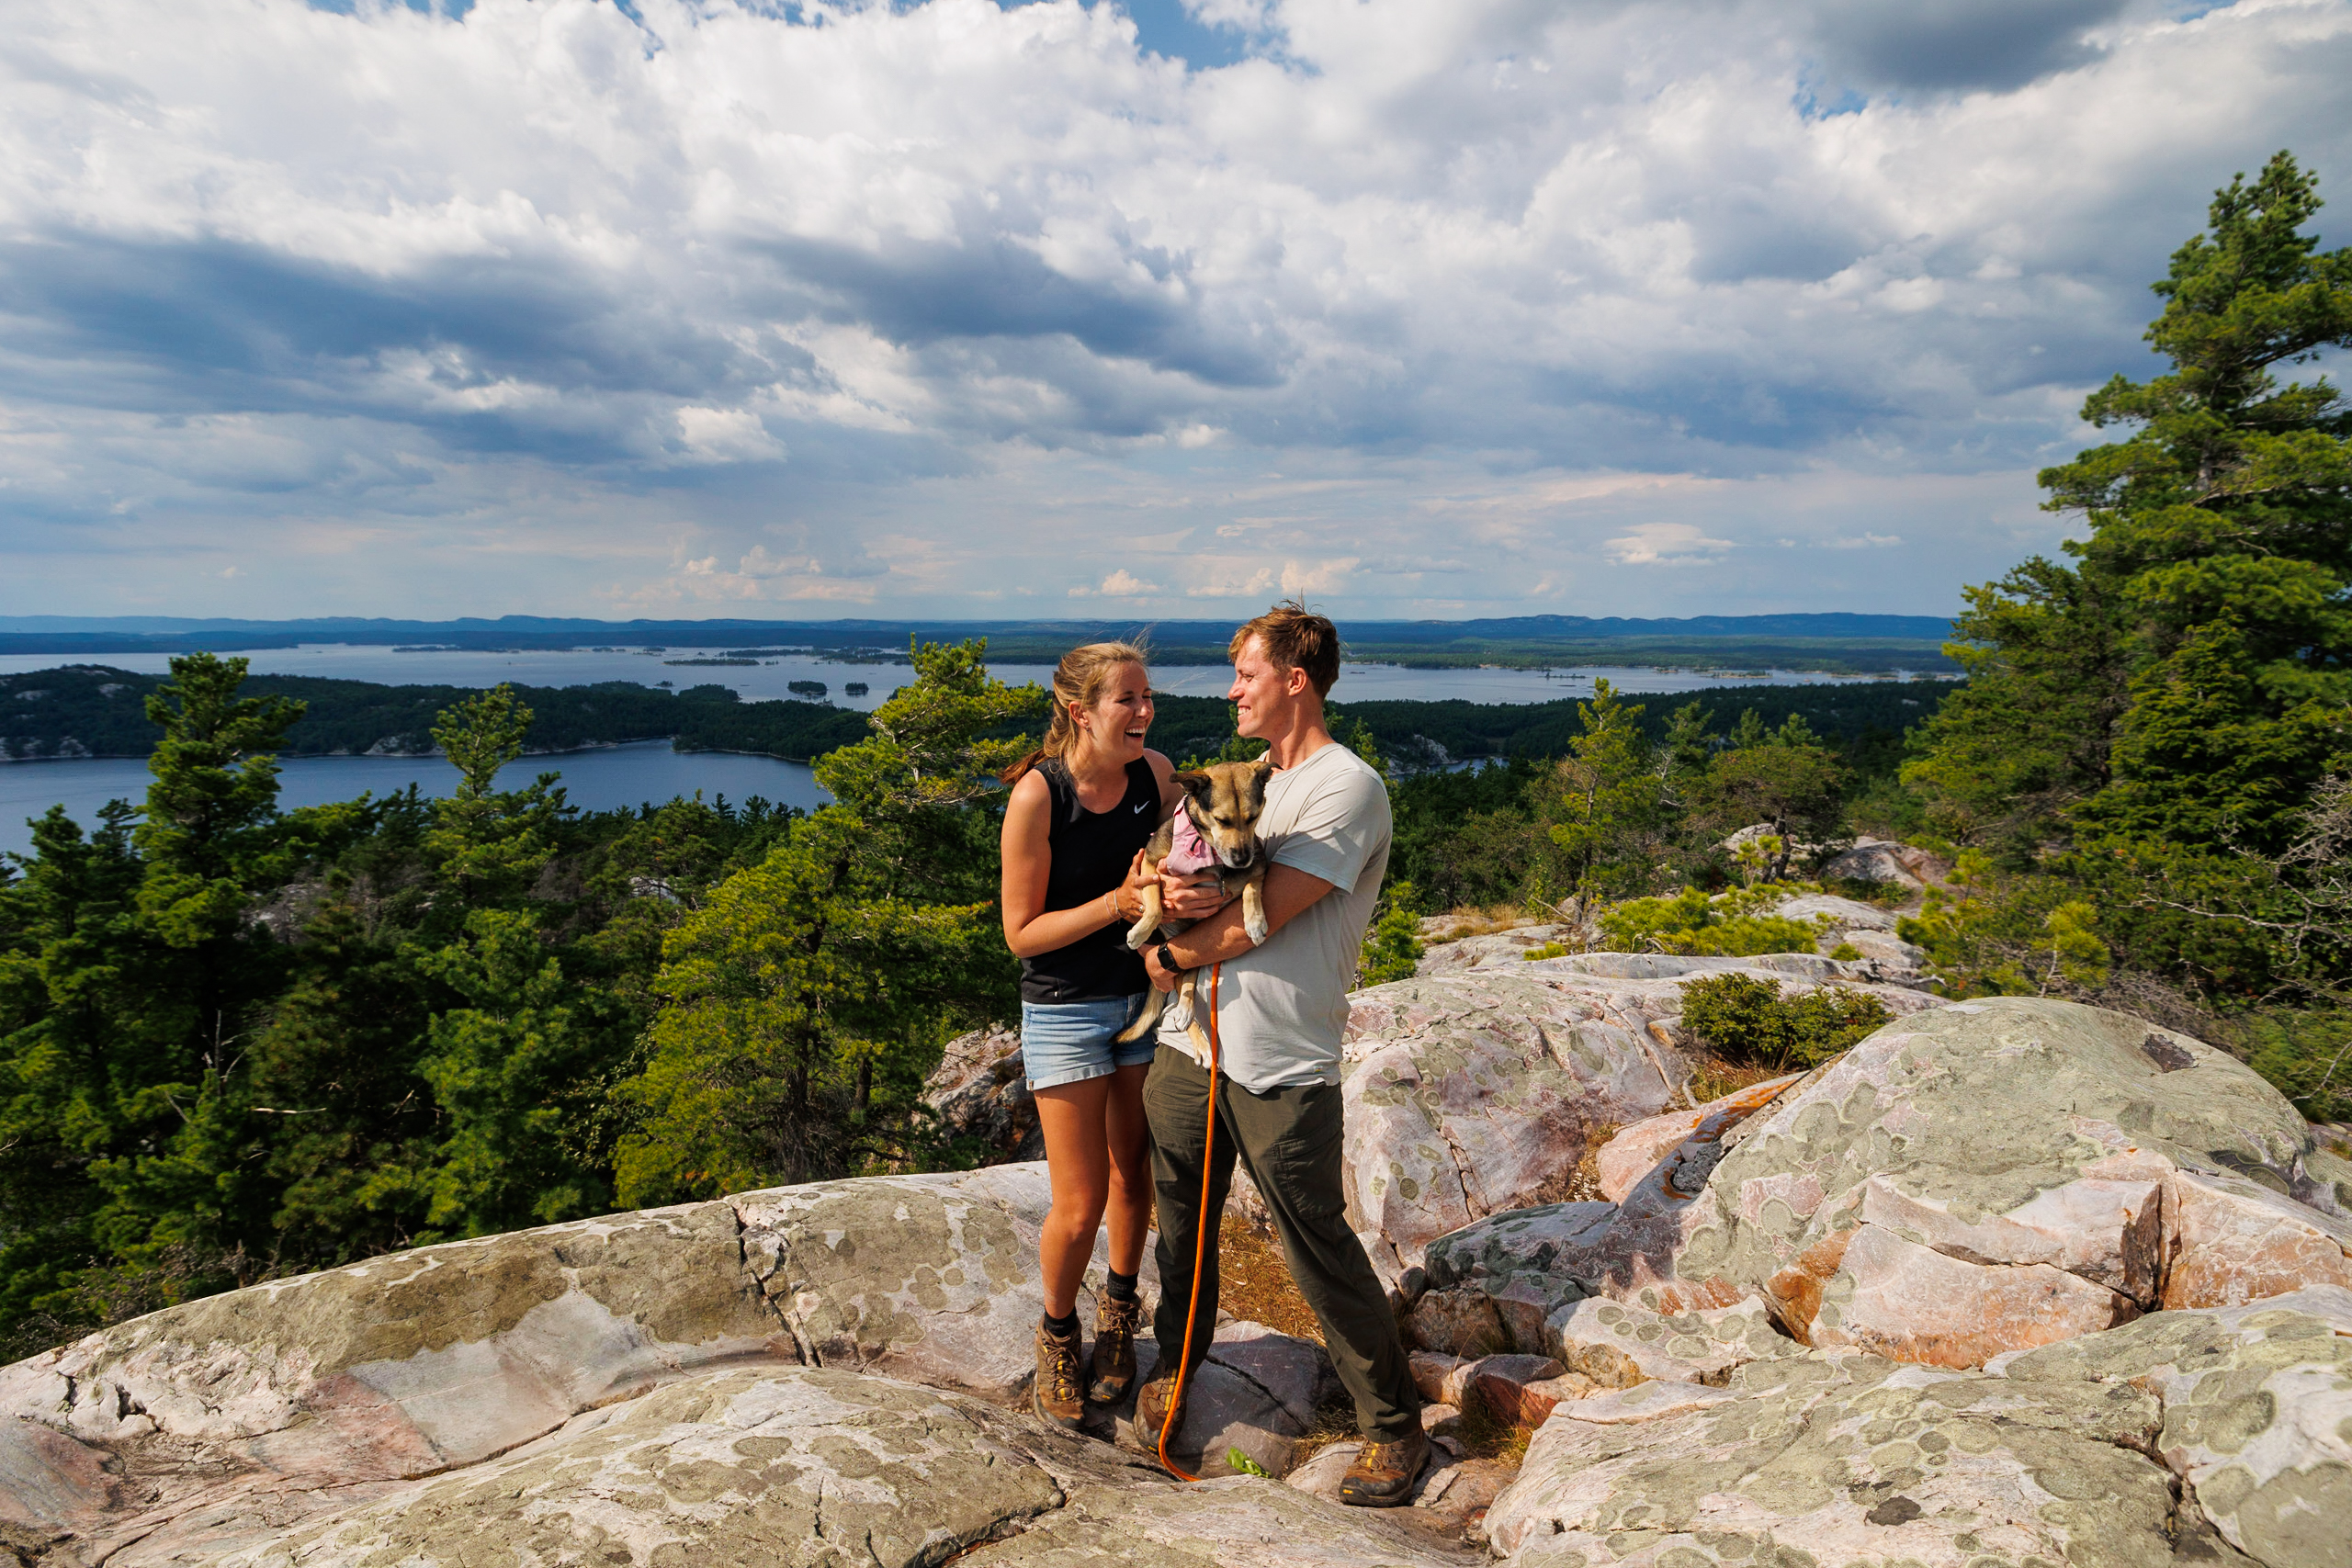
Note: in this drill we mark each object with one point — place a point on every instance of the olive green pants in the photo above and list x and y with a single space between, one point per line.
1288 1139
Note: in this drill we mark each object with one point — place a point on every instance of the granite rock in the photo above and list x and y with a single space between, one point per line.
1477 1093
1846 1457
2257 1412
1990 1176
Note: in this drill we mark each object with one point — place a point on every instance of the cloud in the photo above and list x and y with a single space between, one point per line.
1422 309
1957 44
1119 585
1666 543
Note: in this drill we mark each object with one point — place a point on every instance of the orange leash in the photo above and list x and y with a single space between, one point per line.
1200 1241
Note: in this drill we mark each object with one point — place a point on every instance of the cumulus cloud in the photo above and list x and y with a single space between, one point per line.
554 305
1666 543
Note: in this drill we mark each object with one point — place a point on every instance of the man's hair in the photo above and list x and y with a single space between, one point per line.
1294 637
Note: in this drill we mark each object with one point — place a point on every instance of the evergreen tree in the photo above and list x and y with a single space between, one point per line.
2187 680
802 1002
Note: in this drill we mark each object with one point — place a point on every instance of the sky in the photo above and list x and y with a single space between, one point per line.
780 307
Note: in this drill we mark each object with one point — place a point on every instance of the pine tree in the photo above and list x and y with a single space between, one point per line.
2189 680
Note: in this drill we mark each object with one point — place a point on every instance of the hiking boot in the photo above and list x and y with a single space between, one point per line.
1055 1396
1116 1323
1384 1474
1152 1412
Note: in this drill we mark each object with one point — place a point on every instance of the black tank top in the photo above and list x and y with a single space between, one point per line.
1091 853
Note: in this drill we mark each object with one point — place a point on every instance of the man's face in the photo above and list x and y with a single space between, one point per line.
1263 692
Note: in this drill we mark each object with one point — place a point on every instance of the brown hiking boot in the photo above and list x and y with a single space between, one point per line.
1151 1413
1055 1396
1383 1475
1116 1323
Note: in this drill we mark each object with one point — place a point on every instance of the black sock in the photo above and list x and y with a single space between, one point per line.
1122 1287
1062 1327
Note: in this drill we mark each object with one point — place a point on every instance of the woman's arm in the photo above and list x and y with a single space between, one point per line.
1029 928
1172 794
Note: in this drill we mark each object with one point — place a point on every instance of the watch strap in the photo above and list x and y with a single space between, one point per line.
1167 960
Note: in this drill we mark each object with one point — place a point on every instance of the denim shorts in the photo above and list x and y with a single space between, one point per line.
1064 1043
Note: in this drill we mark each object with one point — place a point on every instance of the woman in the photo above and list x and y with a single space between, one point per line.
1083 805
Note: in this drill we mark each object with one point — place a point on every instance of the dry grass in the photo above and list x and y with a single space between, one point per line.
1255 1283
1471 919
1713 1078
1583 1185
1485 1435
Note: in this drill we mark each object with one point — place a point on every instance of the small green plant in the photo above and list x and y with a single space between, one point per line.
1845 952
1242 1464
1690 922
1745 1019
1545 950
1392 949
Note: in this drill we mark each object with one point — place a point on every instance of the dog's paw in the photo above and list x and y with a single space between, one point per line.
1139 934
1257 928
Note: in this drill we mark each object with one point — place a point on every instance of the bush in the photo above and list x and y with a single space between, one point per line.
1745 1019
1690 922
2306 1053
1392 947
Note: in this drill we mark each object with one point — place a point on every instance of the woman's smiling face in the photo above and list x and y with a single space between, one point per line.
1121 716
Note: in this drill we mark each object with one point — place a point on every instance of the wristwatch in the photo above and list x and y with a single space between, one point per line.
1167 960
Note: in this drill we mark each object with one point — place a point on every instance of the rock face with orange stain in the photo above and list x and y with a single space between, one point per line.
1991 1176
1976 1178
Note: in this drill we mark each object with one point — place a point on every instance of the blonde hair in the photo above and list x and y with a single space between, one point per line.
1078 681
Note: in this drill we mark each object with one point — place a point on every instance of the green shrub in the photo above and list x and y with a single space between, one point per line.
1392 947
1690 922
1745 1019
2307 1054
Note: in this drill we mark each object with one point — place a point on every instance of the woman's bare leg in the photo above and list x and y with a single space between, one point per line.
1129 1135
1078 1162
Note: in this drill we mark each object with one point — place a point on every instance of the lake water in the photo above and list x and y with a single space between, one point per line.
627 775
596 780
770 678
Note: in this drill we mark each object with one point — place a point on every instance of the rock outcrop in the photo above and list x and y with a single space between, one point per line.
218 1427
1980 1177
2186 1437
979 1095
2012 1280
1476 1092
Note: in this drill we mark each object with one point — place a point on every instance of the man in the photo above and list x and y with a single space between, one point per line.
1281 1011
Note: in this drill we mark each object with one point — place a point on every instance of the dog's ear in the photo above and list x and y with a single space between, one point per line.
1192 782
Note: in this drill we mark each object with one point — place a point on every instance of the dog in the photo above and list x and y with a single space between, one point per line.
1215 829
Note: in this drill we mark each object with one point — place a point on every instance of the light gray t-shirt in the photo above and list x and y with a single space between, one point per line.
1283 1008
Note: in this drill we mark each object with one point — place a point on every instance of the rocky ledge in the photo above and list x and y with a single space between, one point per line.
2011 1281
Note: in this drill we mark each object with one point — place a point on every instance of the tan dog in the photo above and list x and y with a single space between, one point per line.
1221 806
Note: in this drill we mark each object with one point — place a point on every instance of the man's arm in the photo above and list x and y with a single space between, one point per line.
1290 893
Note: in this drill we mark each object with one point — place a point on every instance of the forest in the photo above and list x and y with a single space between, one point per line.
238 1041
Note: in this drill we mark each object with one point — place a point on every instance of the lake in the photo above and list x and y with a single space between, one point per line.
769 677
597 780
627 775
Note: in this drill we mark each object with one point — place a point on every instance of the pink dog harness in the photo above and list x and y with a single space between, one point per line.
1189 855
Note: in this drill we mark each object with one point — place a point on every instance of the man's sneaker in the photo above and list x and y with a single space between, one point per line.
1152 1412
1055 1396
1116 1323
1383 1475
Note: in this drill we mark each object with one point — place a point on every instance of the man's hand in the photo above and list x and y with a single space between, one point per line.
1193 898
1162 977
